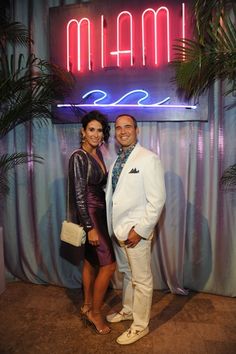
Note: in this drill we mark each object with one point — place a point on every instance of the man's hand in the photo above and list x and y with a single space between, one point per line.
133 238
93 237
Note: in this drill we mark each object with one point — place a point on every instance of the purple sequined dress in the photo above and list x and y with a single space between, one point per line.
87 203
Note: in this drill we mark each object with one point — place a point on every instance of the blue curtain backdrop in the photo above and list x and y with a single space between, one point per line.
195 245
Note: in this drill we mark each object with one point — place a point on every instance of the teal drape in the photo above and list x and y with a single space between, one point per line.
195 245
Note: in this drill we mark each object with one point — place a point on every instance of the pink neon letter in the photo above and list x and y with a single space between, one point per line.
118 29
102 41
183 25
78 38
155 13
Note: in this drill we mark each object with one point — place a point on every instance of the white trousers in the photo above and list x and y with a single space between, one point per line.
135 265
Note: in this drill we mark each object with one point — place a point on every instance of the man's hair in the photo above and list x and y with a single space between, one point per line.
128 115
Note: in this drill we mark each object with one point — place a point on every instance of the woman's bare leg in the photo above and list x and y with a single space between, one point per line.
100 287
88 277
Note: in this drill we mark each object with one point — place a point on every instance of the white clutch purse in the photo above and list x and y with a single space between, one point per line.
72 233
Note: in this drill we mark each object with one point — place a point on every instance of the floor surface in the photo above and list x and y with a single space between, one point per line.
39 319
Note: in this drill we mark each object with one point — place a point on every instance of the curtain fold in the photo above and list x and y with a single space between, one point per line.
195 244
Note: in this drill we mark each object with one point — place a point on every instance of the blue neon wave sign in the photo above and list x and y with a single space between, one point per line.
137 103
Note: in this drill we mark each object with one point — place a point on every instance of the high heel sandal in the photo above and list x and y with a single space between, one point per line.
94 327
85 309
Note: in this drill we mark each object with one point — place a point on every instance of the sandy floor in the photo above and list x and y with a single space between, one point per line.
45 319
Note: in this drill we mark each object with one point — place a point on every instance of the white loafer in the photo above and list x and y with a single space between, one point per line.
131 336
119 316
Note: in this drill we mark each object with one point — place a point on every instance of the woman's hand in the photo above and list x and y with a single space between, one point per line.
93 237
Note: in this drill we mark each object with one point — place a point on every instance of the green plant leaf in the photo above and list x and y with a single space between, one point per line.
9 162
228 178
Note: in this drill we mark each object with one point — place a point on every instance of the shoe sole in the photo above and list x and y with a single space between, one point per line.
116 321
125 319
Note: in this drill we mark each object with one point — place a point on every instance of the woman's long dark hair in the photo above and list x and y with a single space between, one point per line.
99 117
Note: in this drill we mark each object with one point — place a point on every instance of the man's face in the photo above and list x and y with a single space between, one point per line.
125 131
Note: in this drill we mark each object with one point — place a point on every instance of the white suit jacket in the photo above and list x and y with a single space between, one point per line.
139 195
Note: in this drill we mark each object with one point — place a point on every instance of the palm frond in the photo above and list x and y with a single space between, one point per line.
14 33
8 162
28 93
28 88
207 11
228 178
212 54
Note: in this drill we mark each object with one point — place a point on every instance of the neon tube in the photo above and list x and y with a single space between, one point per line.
118 103
155 13
78 38
102 41
183 26
127 51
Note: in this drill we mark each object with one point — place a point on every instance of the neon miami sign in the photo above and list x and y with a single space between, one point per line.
152 26
120 57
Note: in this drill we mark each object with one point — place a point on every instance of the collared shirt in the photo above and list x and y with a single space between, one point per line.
119 164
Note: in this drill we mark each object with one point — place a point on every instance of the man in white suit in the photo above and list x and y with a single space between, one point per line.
135 197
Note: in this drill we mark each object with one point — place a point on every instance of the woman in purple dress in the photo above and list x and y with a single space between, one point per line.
87 179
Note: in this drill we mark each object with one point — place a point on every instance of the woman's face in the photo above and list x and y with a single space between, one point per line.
93 133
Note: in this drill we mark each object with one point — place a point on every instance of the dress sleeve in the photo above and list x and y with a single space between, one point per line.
78 172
